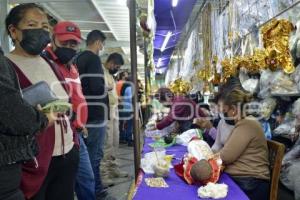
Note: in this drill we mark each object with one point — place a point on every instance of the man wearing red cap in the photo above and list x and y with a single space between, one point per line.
65 43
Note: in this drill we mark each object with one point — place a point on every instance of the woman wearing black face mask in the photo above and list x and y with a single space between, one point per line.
245 153
28 27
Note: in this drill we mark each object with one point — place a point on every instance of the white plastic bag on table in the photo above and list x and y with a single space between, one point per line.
160 133
213 190
151 159
185 137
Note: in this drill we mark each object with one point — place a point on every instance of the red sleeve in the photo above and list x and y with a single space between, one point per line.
168 120
77 99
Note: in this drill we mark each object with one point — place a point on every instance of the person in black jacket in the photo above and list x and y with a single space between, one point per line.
19 122
93 87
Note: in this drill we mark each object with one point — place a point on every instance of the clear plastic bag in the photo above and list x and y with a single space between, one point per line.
283 84
185 137
267 107
249 84
285 128
265 83
291 169
296 76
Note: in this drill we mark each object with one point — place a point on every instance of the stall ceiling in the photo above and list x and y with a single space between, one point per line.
109 16
169 19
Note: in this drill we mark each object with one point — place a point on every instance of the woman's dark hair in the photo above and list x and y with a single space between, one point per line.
122 75
94 36
17 13
231 84
116 58
162 93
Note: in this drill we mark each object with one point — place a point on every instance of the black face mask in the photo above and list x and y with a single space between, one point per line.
113 71
229 121
64 54
34 40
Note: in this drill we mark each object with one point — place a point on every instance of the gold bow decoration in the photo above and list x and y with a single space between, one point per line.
276 35
180 86
275 55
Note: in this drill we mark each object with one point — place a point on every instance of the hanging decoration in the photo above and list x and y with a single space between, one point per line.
180 86
275 55
276 35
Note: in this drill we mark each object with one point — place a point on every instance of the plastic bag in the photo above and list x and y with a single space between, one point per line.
296 108
160 133
266 80
285 128
185 137
283 84
251 85
151 159
289 175
290 129
213 190
296 76
267 107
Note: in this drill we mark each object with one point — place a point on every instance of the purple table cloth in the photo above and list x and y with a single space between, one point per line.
178 189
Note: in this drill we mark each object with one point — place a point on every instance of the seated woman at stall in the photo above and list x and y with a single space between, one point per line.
224 127
182 110
245 153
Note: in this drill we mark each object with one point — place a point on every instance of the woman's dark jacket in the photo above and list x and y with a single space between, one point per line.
19 121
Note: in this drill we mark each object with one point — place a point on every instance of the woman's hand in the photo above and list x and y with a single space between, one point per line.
52 117
203 123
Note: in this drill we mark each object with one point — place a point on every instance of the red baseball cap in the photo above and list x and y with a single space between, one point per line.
67 31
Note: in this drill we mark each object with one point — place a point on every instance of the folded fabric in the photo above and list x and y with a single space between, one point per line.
213 190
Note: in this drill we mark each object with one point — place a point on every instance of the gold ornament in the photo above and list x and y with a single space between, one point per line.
276 41
180 86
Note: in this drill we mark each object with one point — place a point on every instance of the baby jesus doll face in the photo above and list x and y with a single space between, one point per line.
201 171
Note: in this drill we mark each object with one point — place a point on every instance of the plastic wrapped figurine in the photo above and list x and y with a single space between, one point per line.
199 166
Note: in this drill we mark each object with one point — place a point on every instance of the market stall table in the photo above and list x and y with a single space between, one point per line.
178 189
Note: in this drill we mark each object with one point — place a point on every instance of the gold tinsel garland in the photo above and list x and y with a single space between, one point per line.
275 55
180 86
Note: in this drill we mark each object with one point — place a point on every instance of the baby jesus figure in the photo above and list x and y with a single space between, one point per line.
199 165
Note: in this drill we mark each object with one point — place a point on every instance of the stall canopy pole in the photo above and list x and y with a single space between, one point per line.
133 56
146 80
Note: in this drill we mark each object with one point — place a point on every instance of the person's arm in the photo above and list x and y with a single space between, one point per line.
16 115
180 109
96 82
237 143
217 145
166 121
